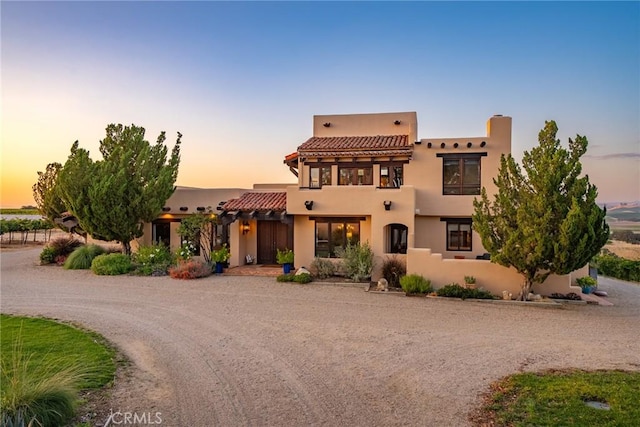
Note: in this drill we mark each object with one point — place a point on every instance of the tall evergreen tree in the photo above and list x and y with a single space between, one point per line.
113 197
46 194
546 219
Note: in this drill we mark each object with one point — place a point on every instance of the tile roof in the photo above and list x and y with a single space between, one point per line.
258 202
356 145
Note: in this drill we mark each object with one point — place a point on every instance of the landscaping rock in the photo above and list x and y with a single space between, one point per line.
302 270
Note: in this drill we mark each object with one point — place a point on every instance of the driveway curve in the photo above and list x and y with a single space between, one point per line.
250 351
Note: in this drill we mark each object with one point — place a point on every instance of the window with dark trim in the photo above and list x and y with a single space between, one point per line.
397 239
319 176
391 175
358 175
461 173
334 233
458 234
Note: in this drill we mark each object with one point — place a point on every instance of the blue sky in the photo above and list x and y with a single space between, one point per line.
242 80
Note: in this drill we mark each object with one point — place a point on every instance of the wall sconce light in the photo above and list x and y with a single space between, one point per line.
308 204
469 144
327 124
387 205
443 145
166 209
455 145
483 143
245 227
184 208
397 122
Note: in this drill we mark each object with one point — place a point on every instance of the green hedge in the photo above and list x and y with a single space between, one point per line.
620 268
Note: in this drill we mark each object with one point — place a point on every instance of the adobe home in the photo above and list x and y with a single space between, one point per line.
366 178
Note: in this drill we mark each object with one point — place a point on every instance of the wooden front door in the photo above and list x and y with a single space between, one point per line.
272 235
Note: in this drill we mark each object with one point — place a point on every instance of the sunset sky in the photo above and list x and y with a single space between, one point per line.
241 81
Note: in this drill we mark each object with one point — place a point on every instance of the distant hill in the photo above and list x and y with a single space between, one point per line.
624 212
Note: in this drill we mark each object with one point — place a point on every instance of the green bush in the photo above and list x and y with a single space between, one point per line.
286 277
48 255
302 278
392 270
454 290
415 284
81 258
152 260
297 278
322 268
357 261
620 268
111 264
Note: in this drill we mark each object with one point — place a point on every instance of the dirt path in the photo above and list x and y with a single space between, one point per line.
251 351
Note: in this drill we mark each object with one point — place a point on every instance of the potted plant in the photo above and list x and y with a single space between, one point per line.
470 282
285 258
220 257
587 283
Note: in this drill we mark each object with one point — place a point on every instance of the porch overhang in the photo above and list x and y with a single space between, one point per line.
270 206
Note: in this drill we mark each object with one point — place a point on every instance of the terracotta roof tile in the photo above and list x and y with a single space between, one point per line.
258 202
356 145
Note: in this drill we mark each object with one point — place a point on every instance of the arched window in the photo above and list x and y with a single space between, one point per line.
396 238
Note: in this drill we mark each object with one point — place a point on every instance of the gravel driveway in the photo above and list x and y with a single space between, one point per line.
250 351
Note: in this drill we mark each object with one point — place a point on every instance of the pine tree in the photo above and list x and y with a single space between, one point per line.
544 220
113 197
46 194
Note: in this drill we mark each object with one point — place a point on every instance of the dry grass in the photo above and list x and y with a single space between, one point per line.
624 250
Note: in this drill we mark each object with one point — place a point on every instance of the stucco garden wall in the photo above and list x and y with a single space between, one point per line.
490 276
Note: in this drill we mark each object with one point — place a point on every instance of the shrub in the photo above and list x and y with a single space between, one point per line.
152 260
454 290
357 261
620 268
81 258
285 277
111 264
415 284
322 268
302 278
392 270
192 269
48 255
185 251
58 250
65 245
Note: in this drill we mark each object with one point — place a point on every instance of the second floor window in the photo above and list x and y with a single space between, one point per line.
362 175
391 176
319 176
461 174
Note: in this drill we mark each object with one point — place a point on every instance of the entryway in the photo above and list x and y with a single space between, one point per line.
273 235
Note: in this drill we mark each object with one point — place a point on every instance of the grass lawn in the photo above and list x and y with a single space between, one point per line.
557 398
45 363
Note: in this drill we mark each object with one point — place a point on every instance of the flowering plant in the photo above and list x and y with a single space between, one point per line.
186 251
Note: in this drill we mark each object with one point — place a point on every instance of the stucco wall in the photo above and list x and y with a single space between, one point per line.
492 277
367 124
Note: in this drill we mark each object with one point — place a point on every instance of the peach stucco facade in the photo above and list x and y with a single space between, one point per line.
369 175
